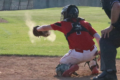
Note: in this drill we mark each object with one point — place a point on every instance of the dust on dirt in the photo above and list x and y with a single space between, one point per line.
39 68
3 20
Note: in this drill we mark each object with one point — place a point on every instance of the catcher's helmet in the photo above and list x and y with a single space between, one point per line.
70 11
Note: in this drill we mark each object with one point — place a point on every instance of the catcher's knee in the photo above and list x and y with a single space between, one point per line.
71 71
61 68
66 70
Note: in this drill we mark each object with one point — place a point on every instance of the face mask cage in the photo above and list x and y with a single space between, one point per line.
61 18
69 12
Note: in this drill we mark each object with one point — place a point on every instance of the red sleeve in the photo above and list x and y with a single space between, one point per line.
57 26
91 29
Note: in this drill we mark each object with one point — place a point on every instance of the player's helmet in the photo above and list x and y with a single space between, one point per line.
70 11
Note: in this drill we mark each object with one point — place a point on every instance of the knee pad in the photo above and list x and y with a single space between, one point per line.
66 70
61 68
71 71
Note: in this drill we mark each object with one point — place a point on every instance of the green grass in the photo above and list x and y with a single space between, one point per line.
14 38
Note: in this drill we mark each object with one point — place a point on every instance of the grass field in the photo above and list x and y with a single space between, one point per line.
14 38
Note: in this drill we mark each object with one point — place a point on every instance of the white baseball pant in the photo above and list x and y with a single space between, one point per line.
74 57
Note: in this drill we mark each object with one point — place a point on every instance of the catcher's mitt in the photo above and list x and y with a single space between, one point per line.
40 33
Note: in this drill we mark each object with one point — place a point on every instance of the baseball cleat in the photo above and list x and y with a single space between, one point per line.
70 71
106 76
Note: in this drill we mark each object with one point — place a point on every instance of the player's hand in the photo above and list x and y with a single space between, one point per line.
105 32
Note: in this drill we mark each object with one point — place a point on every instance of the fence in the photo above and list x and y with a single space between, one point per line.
38 4
60 3
16 4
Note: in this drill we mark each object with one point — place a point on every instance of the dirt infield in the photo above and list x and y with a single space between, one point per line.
38 68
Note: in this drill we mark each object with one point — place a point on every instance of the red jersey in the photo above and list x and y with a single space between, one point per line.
82 40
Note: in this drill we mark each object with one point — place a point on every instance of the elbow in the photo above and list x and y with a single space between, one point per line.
96 35
116 6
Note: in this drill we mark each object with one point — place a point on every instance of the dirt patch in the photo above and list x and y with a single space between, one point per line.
3 20
38 68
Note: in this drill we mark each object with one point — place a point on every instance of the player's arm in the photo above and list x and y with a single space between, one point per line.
44 28
94 33
115 12
115 15
97 37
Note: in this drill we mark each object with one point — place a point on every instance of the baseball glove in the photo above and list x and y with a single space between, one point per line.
40 33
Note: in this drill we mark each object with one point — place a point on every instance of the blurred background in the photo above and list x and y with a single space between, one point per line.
38 4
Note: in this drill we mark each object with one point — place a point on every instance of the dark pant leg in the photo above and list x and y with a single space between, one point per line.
108 55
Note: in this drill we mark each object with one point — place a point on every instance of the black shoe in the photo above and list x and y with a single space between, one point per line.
106 76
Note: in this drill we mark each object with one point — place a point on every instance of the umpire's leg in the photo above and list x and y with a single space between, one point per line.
108 55
108 61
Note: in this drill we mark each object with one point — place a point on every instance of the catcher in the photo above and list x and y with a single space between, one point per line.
79 34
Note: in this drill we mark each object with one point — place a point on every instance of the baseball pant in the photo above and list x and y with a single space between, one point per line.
74 57
108 50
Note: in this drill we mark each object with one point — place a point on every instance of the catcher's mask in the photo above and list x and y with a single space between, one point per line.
69 11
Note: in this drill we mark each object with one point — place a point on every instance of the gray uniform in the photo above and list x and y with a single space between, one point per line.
109 45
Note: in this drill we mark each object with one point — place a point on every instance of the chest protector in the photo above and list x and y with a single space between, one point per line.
77 27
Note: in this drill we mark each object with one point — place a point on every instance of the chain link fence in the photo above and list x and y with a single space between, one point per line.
16 4
60 3
38 4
